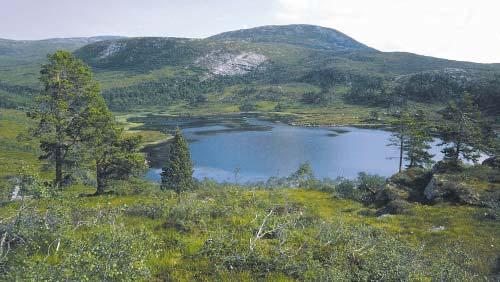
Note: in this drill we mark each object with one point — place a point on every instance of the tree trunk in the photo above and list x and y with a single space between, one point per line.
100 180
401 155
458 149
58 153
59 173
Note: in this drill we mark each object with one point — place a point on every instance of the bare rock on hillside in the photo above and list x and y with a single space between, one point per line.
221 63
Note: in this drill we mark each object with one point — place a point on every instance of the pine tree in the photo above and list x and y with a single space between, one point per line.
411 136
178 172
113 155
67 87
417 141
461 130
400 134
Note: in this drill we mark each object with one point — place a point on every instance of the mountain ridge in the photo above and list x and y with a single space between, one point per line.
229 68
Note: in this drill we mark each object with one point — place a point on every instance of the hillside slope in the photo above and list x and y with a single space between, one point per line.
265 66
38 49
308 36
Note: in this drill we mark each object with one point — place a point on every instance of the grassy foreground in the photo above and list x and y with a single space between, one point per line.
227 233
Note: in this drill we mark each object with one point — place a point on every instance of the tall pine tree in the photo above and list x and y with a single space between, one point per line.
399 136
178 172
68 86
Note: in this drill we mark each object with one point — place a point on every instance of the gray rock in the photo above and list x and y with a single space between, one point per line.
437 228
220 63
440 188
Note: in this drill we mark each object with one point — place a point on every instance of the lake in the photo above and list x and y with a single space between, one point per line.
259 149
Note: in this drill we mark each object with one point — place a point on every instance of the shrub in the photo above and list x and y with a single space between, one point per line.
315 98
248 107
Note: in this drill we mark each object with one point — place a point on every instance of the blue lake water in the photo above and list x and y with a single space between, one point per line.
265 149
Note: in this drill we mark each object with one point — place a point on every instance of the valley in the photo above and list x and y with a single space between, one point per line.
275 153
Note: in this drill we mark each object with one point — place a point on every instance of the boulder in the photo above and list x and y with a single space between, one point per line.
396 207
493 162
437 228
408 186
441 188
391 192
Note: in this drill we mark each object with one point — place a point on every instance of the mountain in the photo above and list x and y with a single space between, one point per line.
38 49
308 36
269 65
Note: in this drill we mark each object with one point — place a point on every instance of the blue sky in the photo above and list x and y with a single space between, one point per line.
453 29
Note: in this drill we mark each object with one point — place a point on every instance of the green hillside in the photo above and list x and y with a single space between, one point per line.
308 36
269 69
38 49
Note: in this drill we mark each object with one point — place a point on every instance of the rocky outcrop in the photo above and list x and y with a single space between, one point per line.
493 162
400 190
111 49
408 186
442 188
397 206
229 64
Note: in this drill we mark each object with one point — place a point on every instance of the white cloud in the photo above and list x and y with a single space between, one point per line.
454 29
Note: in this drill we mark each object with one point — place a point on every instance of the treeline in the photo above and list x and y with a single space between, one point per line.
14 96
463 132
424 87
168 90
427 87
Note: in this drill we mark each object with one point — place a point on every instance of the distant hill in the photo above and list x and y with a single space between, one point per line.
37 49
309 36
232 67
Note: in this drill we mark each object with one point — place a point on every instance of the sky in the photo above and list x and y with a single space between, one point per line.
454 29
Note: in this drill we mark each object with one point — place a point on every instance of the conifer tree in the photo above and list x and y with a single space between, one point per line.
178 171
399 136
111 154
67 87
417 142
412 137
461 130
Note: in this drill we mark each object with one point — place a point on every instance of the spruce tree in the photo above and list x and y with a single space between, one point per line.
178 171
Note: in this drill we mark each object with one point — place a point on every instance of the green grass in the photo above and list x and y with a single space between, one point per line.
15 152
174 244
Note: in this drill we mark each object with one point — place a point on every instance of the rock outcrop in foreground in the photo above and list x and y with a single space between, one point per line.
475 186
